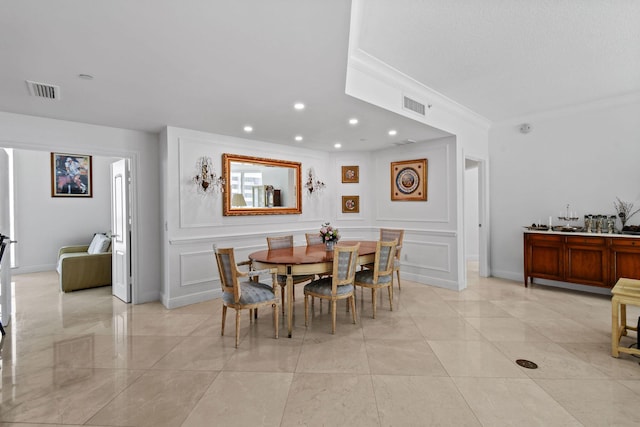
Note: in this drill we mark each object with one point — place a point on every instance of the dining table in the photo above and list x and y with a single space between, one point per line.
306 260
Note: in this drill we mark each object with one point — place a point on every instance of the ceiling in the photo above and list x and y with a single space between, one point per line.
216 66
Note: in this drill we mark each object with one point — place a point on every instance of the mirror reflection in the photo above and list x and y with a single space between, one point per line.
259 186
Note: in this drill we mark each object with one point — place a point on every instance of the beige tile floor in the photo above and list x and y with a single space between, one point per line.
440 358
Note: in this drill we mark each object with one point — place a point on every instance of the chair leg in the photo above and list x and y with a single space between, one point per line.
282 298
275 319
398 274
237 327
373 301
352 301
224 319
390 298
333 316
306 310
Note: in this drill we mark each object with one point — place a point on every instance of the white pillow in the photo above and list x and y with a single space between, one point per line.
100 244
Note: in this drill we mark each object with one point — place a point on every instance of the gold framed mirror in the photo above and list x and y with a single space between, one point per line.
259 186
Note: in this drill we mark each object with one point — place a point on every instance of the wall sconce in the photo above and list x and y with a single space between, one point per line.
206 179
313 184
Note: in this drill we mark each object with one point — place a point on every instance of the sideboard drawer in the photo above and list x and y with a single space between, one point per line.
625 242
538 237
584 240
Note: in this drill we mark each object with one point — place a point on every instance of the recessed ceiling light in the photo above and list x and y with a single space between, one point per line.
353 121
298 106
298 138
393 132
248 129
85 76
337 145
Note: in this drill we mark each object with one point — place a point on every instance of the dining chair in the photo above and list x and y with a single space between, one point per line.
313 239
381 275
337 287
387 235
247 294
283 242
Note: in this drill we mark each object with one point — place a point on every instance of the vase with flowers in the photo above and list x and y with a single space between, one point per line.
329 235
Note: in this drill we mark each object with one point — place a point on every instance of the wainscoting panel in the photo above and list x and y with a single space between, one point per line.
198 268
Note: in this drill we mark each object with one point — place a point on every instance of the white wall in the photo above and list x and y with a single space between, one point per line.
34 133
45 223
430 245
194 223
586 158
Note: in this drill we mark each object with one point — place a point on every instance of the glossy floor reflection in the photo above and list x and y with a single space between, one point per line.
440 358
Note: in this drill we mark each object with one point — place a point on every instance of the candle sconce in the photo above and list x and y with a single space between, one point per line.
313 184
569 217
206 179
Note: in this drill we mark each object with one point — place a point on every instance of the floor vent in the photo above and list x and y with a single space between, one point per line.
413 105
527 364
43 90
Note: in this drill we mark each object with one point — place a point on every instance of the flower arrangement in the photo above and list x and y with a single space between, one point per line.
624 210
328 233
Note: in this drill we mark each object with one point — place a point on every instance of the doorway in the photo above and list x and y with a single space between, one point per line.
476 222
57 216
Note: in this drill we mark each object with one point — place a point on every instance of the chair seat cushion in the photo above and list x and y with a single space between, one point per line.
366 276
252 293
323 287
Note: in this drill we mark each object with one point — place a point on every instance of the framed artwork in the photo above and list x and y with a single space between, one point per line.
350 204
409 180
71 175
350 174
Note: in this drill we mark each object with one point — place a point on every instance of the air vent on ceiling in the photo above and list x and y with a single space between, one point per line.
413 105
43 90
405 142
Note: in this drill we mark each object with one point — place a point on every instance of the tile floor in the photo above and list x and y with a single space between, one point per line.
440 358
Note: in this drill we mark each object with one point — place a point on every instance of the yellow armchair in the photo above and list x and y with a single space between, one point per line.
79 269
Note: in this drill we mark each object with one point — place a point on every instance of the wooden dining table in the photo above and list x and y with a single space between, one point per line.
305 260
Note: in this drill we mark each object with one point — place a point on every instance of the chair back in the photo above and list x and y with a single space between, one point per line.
389 234
385 254
280 242
313 239
228 272
345 262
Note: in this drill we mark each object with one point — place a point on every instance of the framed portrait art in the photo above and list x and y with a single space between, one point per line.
350 174
71 175
409 180
350 204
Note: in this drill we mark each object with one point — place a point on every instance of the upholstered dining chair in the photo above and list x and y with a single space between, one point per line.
248 294
381 275
283 242
387 235
313 239
338 286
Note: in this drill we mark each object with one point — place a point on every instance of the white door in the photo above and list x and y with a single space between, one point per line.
120 225
5 266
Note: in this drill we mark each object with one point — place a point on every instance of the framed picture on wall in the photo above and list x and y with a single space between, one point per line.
409 180
350 204
71 175
350 174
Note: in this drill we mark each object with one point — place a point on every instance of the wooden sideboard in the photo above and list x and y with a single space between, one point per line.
587 259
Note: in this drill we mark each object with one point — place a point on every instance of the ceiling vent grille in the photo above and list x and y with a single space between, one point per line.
405 142
43 90
413 105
